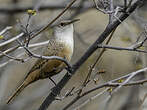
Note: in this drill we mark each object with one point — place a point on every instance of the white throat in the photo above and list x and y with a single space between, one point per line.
65 36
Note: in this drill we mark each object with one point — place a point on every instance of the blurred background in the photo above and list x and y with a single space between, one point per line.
92 23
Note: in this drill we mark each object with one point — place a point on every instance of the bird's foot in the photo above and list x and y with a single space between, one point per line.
69 71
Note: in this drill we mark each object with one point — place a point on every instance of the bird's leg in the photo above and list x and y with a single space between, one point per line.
55 70
53 81
68 71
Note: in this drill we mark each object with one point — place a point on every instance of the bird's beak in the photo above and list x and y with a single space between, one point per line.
72 21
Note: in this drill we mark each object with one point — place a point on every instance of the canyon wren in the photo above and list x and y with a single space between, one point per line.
61 44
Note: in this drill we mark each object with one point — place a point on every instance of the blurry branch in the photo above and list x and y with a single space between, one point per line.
142 101
37 5
121 48
19 59
139 19
129 79
109 8
12 8
132 98
5 63
9 50
112 83
34 46
91 99
135 47
110 27
10 57
102 10
37 33
31 13
79 10
11 40
37 44
4 53
5 29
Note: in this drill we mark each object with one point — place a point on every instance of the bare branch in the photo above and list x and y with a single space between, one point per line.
90 99
10 57
111 83
121 48
11 40
6 29
12 9
101 10
5 63
37 33
56 90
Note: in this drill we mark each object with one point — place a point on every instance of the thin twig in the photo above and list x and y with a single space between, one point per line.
10 57
100 55
101 10
45 57
9 9
142 101
58 16
109 84
56 90
90 99
121 48
9 50
5 63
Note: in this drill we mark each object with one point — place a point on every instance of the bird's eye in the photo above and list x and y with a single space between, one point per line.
62 24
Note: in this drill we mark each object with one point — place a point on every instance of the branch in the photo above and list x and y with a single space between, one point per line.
6 29
5 63
111 83
41 30
121 48
45 57
56 90
11 40
11 57
58 16
13 9
96 61
91 99
102 10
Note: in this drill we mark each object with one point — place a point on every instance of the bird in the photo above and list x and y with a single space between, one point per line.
61 43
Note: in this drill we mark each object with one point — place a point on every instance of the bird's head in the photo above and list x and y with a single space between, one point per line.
65 26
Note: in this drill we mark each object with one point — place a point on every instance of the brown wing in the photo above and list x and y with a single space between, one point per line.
53 49
38 64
